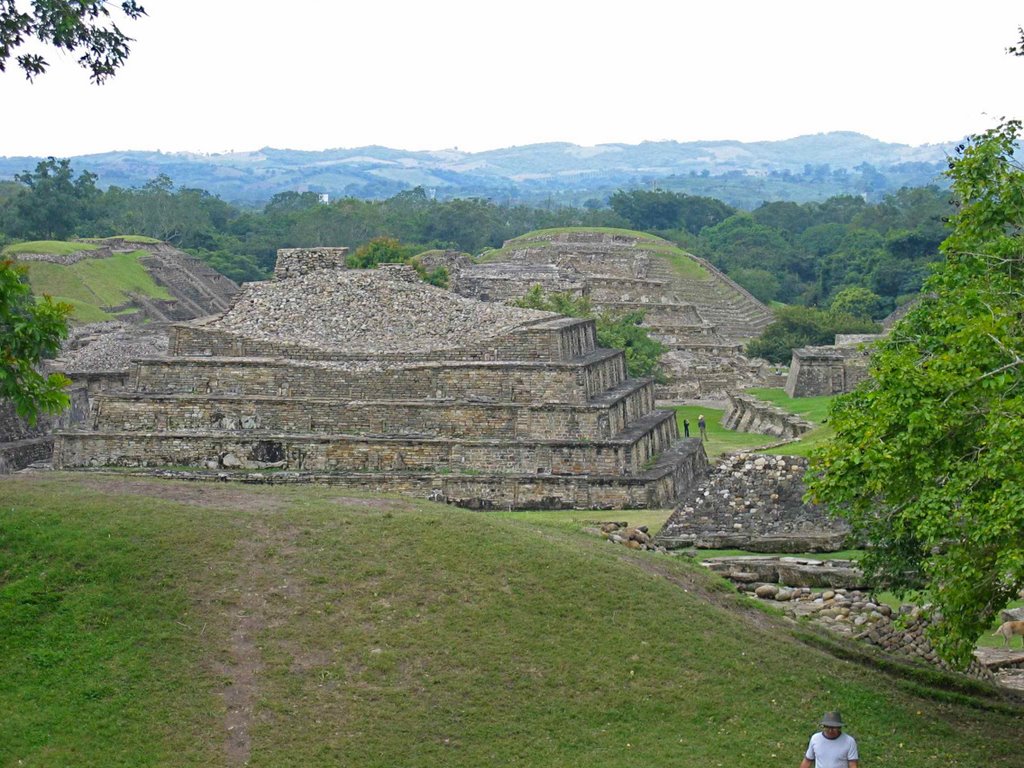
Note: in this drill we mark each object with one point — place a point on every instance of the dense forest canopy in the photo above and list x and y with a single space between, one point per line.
795 253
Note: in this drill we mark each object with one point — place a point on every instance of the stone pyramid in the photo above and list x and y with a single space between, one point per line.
375 380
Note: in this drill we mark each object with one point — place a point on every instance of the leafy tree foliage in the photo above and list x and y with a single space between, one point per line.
30 330
52 202
661 210
927 460
797 326
625 332
760 282
380 250
857 301
82 26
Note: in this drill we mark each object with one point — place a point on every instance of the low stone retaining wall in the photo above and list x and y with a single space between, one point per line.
848 609
747 413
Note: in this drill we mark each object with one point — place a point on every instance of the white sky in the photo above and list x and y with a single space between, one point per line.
222 75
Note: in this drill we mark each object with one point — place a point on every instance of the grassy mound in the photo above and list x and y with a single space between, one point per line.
159 623
91 286
681 262
50 247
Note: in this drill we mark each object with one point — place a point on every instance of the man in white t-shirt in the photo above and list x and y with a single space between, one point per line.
831 748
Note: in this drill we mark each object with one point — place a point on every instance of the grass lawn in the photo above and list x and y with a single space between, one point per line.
720 440
156 623
811 408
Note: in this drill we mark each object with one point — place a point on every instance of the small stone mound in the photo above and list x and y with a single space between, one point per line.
754 503
366 312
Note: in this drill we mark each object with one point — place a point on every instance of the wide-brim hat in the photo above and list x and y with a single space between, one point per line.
832 719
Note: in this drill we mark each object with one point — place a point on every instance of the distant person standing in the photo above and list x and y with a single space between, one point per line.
686 427
703 427
831 748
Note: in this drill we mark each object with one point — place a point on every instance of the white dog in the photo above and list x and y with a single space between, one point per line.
1008 629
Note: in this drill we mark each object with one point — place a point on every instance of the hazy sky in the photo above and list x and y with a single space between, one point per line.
219 75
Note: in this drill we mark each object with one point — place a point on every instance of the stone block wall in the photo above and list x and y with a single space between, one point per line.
746 413
292 262
502 381
135 412
551 340
621 455
827 370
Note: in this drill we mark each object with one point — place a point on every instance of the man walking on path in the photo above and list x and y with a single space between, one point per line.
686 427
702 425
831 748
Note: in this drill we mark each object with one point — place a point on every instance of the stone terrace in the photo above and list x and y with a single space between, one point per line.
375 380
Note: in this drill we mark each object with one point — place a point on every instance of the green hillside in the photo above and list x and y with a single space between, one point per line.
155 623
683 264
91 286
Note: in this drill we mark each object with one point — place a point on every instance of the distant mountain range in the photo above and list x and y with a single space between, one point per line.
803 168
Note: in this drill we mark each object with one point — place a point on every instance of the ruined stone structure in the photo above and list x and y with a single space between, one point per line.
197 290
838 368
96 356
378 381
829 370
701 315
754 503
746 413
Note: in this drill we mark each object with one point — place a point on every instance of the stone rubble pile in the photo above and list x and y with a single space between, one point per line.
856 614
634 537
356 312
109 346
755 503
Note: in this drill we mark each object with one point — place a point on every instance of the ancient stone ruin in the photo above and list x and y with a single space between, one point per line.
375 380
702 316
746 413
753 503
96 356
196 289
829 370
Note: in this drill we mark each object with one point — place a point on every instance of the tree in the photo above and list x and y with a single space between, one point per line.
797 326
52 201
857 301
380 250
83 27
625 332
927 463
29 331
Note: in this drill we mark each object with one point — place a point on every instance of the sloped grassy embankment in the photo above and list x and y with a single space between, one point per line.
91 286
159 623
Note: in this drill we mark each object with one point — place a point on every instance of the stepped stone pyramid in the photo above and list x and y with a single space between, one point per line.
375 380
702 316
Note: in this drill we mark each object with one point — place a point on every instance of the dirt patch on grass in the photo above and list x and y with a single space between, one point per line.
261 595
227 495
